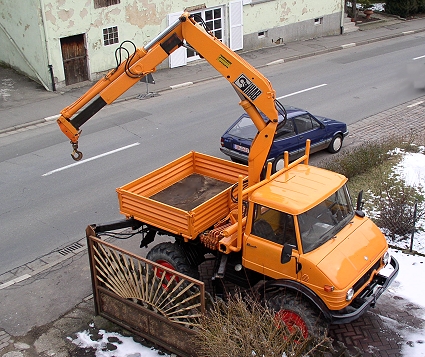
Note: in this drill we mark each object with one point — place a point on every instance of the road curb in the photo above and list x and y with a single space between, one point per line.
29 124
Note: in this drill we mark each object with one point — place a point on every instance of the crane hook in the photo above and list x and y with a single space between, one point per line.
76 155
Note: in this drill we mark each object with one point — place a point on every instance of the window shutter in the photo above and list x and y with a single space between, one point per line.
236 25
178 57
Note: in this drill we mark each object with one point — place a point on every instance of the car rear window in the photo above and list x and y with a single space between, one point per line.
244 128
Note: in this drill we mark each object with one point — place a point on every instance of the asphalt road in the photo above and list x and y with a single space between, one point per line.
46 203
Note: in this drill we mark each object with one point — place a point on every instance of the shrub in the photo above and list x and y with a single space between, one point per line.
368 155
358 160
404 8
396 204
245 328
365 4
390 201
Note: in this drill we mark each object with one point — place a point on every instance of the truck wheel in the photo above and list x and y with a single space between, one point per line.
336 144
295 311
173 257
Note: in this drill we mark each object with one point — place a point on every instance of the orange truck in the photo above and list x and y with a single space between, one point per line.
294 235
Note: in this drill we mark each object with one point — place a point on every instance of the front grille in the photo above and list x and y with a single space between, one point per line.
366 276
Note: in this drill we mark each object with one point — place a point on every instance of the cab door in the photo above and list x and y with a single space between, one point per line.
262 251
264 256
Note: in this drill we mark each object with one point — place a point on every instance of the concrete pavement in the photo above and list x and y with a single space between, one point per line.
48 300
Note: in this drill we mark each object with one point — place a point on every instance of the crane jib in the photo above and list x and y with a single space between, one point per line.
171 42
87 113
249 89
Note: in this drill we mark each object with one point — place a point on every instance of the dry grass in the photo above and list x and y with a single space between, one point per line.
243 327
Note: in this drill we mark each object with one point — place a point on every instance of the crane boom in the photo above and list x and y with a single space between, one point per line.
254 90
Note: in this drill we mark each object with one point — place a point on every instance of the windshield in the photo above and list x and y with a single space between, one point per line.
323 221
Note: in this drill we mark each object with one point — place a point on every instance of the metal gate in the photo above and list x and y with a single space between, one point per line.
145 298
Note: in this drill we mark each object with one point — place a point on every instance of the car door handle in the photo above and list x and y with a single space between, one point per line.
252 246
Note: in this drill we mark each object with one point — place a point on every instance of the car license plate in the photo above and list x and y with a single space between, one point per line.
241 148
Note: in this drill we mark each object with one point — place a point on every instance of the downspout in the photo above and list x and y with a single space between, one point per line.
46 41
23 57
343 2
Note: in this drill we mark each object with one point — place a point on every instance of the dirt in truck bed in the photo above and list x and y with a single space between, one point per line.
191 191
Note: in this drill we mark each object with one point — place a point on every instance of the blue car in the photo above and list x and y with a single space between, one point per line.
291 136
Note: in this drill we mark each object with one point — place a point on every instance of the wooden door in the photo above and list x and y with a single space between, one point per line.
74 57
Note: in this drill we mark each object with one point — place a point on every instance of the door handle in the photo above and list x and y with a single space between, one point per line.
252 246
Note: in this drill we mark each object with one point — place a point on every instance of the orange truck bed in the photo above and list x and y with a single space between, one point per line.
185 197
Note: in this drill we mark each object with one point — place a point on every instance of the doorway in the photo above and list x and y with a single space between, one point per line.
74 56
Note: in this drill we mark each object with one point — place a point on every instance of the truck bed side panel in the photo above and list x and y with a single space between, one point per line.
136 197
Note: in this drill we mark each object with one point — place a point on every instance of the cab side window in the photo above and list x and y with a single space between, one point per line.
274 226
304 123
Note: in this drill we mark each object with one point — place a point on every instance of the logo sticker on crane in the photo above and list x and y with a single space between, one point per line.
247 87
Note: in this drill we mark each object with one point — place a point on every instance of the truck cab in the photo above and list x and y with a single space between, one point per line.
306 235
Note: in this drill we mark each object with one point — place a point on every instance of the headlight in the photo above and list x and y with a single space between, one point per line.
386 258
349 295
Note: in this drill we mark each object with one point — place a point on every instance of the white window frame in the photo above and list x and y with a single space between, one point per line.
223 25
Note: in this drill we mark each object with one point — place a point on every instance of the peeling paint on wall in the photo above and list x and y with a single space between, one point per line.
84 13
49 16
142 13
286 11
65 15
97 45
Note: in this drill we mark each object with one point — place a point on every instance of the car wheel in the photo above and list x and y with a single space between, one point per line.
278 164
335 144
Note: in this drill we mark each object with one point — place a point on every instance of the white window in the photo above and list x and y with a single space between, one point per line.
213 18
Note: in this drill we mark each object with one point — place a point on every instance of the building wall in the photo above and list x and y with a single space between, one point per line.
38 27
23 45
137 21
289 21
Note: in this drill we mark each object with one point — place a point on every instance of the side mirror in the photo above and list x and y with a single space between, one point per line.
286 254
359 206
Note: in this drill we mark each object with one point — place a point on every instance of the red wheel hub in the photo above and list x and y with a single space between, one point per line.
167 265
291 320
